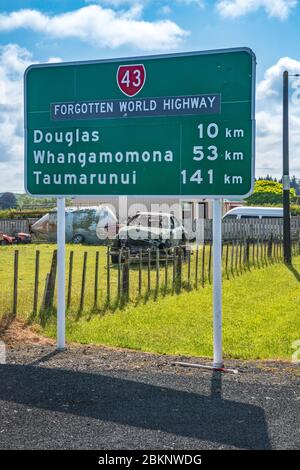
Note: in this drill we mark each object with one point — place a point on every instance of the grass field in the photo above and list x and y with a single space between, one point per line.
261 319
261 308
26 276
26 273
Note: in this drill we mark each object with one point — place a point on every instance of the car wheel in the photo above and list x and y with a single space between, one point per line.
77 239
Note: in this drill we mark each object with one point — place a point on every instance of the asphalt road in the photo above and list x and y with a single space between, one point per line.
96 398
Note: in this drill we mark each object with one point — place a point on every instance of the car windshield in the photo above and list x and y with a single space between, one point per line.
149 220
139 219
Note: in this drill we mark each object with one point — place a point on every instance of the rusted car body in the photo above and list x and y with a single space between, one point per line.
92 225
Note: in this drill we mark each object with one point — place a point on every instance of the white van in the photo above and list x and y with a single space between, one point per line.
254 213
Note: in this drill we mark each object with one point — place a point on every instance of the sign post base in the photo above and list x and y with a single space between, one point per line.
205 366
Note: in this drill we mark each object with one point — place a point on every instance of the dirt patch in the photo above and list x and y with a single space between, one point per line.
13 332
26 344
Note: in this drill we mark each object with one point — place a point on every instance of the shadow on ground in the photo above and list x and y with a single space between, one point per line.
137 404
294 271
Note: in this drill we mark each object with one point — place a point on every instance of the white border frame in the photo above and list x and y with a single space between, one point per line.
144 58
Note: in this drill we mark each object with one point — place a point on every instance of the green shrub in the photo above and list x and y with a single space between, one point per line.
268 193
25 214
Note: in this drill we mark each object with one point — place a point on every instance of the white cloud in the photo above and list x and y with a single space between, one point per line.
269 118
13 62
117 3
274 8
272 82
99 26
165 10
199 3
120 3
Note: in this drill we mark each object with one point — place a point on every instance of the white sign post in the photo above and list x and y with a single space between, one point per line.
217 294
217 281
61 248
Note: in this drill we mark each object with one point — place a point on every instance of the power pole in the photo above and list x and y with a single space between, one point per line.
287 254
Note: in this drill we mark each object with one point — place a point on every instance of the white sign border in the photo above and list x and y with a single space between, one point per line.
144 58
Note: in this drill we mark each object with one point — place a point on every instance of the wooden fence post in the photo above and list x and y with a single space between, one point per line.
236 256
209 262
16 271
257 252
166 270
36 281
70 279
125 279
45 291
232 258
108 275
50 284
203 265
96 279
226 260
189 268
82 294
196 267
174 269
248 253
253 253
140 271
266 251
179 269
149 270
119 272
262 260
241 256
157 271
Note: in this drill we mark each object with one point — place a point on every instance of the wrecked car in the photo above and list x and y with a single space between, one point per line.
148 230
94 225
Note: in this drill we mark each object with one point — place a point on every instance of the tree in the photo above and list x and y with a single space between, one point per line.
295 183
268 192
8 201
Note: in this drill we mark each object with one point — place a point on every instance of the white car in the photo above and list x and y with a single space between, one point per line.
254 213
148 230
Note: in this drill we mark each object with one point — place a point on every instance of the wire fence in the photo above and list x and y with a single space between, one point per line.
94 283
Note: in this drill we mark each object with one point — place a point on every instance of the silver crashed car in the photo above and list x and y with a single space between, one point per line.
148 230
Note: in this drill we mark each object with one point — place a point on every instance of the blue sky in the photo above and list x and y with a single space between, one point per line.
55 30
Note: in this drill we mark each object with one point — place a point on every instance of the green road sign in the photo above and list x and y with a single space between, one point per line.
177 125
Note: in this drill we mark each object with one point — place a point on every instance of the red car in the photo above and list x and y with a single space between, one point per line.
6 239
22 237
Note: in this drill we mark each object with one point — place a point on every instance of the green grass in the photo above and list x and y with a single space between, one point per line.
27 270
261 307
261 319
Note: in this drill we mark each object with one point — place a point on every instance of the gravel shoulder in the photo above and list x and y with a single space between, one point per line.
90 397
